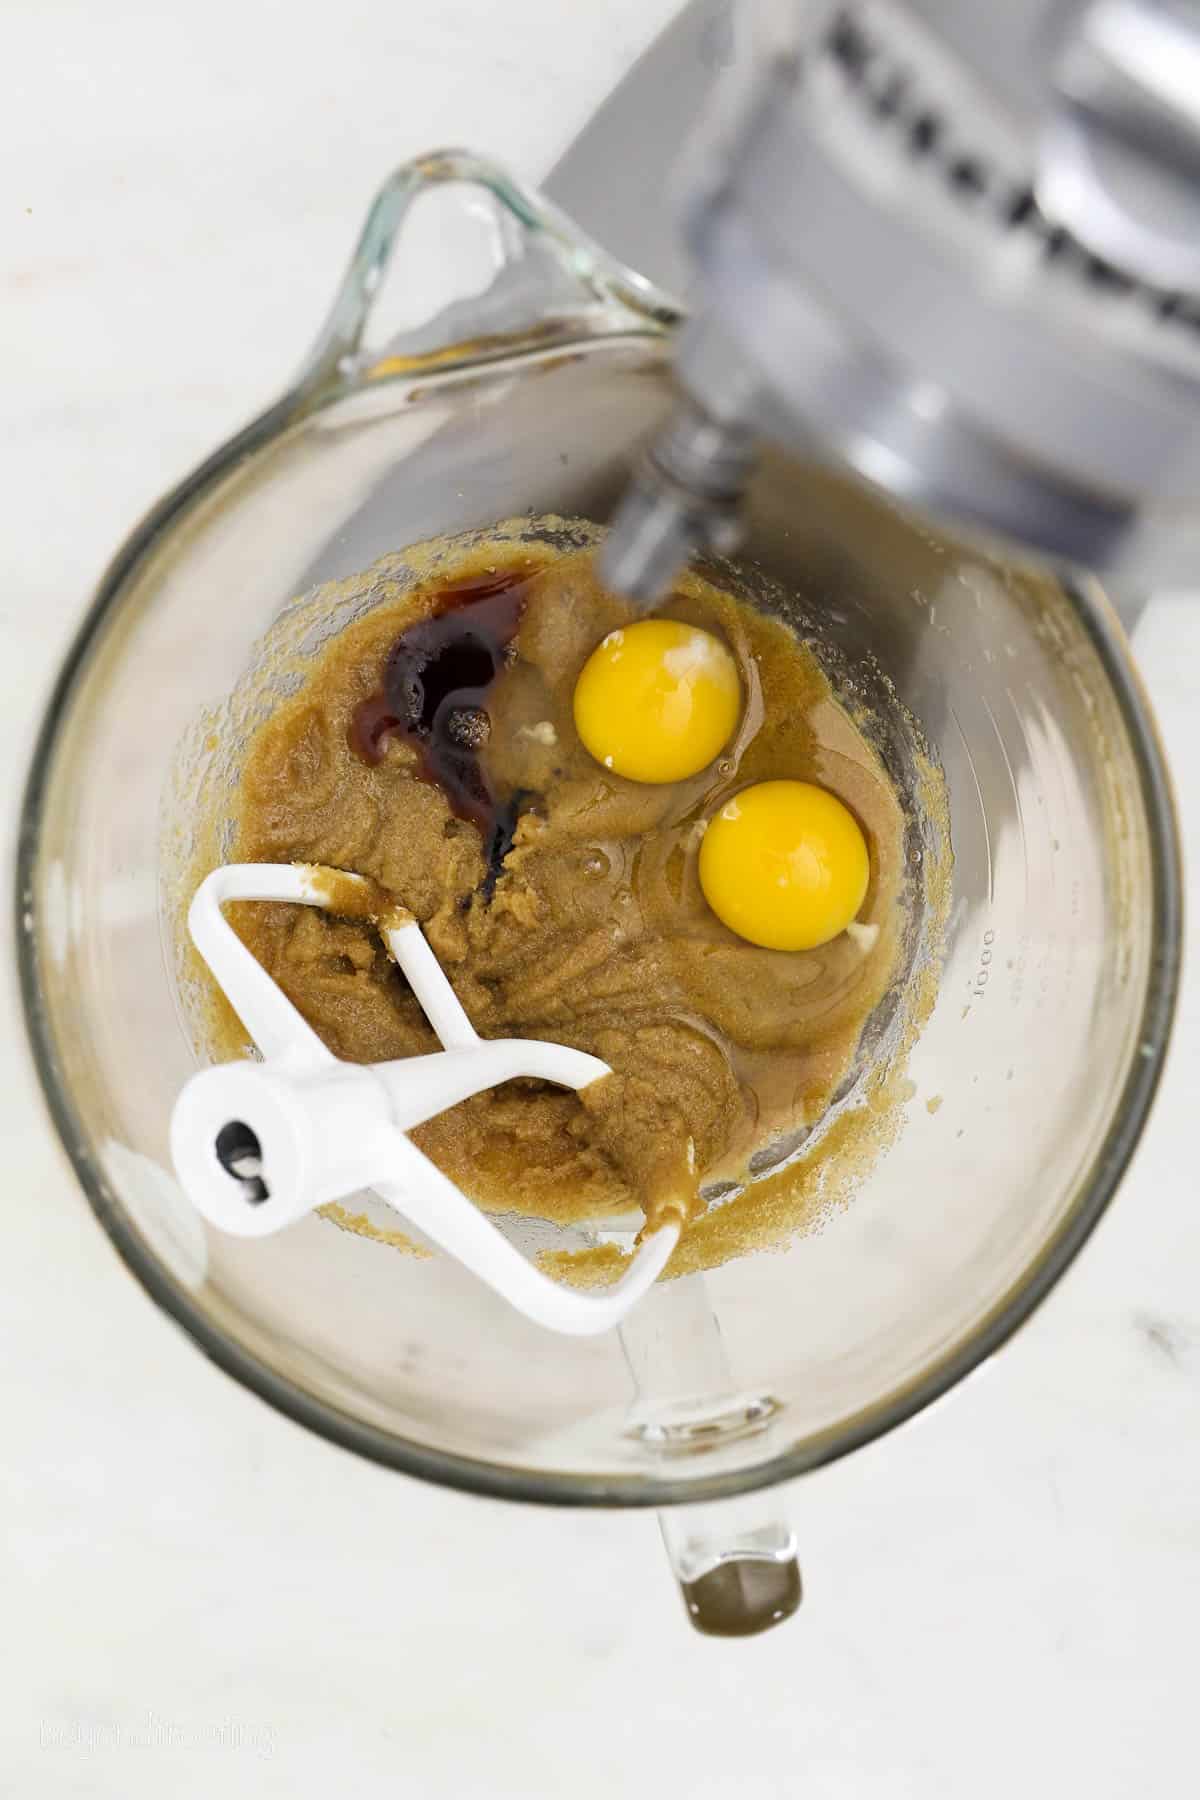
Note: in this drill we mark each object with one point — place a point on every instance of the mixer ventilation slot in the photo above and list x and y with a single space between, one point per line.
892 92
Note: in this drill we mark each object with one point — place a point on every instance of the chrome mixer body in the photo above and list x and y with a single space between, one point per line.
956 248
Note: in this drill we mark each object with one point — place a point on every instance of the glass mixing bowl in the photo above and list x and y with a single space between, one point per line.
1043 1048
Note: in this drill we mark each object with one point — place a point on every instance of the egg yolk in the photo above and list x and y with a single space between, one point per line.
785 865
657 701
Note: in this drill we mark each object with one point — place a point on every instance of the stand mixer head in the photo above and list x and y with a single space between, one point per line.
958 250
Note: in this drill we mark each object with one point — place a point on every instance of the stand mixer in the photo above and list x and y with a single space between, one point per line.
878 283
956 249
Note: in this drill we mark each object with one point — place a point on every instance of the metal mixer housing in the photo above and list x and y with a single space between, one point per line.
953 248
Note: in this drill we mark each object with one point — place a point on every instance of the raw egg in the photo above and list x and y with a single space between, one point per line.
657 701
785 865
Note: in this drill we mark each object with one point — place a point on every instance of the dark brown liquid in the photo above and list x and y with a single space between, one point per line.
433 693
744 1597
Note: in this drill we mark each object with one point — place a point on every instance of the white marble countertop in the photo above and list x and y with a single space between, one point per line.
199 1596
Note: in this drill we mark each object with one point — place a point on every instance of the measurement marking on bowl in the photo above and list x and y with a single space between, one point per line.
983 970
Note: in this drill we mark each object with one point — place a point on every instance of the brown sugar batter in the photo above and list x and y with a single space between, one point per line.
562 900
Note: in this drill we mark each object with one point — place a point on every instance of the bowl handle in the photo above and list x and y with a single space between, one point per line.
734 1560
551 285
